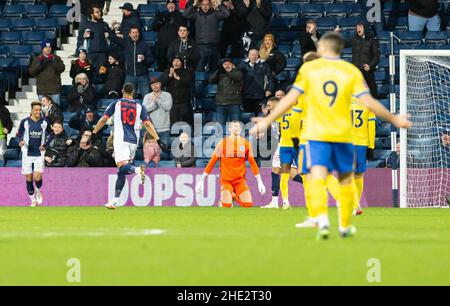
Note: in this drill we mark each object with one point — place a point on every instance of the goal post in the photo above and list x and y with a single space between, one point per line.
424 153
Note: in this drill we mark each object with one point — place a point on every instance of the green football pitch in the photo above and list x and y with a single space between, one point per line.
212 246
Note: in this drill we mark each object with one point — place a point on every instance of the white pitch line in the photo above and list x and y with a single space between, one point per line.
110 233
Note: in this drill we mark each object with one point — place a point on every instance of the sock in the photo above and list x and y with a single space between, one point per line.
359 185
307 197
333 187
318 199
127 169
227 205
274 200
246 204
284 186
298 178
275 185
347 197
121 179
38 184
30 189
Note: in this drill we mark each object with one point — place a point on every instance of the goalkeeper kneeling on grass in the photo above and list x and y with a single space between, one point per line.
233 151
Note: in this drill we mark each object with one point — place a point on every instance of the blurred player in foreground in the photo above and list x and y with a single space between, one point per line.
128 116
233 151
328 84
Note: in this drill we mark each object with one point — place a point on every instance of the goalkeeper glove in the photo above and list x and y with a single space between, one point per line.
199 188
261 187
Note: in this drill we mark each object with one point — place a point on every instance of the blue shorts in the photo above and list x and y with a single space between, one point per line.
303 166
333 155
288 156
361 159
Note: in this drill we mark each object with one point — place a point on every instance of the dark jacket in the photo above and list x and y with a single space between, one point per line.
56 147
115 79
229 85
179 89
78 122
257 80
425 8
5 118
276 61
307 44
232 26
76 69
364 50
188 51
187 157
54 114
48 74
130 21
167 25
206 24
86 4
79 98
131 50
76 157
97 42
257 20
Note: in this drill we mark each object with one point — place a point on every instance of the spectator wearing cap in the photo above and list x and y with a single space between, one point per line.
158 104
271 55
166 24
184 47
81 65
6 125
81 95
130 18
231 31
257 82
424 13
94 38
85 119
47 69
228 98
138 57
179 83
207 17
52 112
115 77
256 15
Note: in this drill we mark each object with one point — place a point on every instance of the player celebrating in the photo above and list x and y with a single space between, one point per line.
31 137
233 151
328 84
364 125
127 120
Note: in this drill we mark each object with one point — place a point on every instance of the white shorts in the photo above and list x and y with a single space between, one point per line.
124 152
29 161
276 161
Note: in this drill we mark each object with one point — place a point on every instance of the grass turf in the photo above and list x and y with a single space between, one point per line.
212 246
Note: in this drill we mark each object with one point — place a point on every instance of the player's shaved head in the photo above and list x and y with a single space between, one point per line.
310 56
128 89
331 42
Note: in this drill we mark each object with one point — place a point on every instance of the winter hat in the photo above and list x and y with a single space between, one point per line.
46 44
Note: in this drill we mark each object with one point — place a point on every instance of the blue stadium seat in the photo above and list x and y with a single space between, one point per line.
280 24
11 154
35 11
67 116
20 51
380 77
33 38
4 52
440 38
205 104
326 24
296 51
383 65
46 24
292 64
337 10
58 11
166 164
150 37
290 10
411 38
14 164
287 37
2 163
298 24
313 10
5 25
148 10
147 23
10 38
246 117
102 104
13 143
201 76
22 24
348 24
13 11
383 130
285 49
402 24
212 91
354 10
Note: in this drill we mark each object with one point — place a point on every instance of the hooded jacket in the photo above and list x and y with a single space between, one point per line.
365 50
56 147
229 85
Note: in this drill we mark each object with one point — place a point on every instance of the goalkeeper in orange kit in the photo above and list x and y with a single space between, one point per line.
233 151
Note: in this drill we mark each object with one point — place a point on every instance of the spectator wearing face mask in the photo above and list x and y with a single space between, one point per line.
52 112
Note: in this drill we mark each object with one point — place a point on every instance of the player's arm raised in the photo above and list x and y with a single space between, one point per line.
400 121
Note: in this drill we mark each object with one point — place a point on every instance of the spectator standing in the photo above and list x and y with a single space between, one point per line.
365 55
81 95
85 10
47 69
84 153
231 31
271 55
179 81
257 15
6 125
167 24
158 104
130 19
228 98
52 112
84 120
56 146
115 77
310 39
258 82
95 35
207 18
152 151
138 57
81 65
185 153
424 13
186 48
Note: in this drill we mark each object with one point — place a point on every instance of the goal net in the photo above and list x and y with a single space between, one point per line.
425 148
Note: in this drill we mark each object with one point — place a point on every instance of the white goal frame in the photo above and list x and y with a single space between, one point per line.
404 110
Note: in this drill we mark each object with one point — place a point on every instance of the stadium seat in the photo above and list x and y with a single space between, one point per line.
246 117
201 76
13 143
292 63
402 24
280 24
2 163
285 49
22 24
166 164
337 10
287 37
10 38
290 10
313 10
58 11
296 51
11 154
14 164
5 25
348 24
380 77
383 130
326 24
440 38
148 10
411 38
20 51
4 52
35 11
355 10
205 104
297 24
46 24
150 37
33 38
383 65
102 104
147 23
13 11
